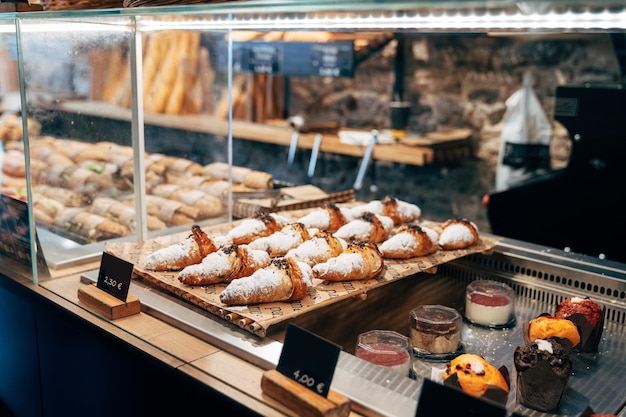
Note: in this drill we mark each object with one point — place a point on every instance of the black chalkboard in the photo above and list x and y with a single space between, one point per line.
114 276
437 399
308 359
15 240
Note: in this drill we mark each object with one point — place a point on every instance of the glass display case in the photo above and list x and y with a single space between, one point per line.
95 83
131 125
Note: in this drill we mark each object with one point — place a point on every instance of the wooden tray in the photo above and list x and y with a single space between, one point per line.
257 319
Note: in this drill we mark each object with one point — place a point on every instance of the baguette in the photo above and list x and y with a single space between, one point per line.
360 261
258 180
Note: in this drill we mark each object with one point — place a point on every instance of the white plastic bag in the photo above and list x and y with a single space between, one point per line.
525 140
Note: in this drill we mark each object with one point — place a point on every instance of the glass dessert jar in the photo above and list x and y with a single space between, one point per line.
386 348
490 303
435 331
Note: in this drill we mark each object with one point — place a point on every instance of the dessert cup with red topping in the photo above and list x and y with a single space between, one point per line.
490 304
386 348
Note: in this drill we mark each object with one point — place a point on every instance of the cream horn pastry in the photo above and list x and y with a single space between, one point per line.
224 265
369 227
457 234
189 251
399 211
262 224
280 242
328 217
360 261
410 241
319 248
283 279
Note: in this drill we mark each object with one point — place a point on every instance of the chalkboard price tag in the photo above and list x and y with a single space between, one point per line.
308 359
332 59
114 276
436 397
264 59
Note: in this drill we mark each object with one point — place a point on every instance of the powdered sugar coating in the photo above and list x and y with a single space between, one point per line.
254 226
456 233
263 282
374 206
360 229
316 218
313 250
278 243
432 234
400 241
169 254
405 241
341 265
218 266
214 264
405 211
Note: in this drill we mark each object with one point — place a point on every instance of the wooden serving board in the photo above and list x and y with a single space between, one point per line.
257 319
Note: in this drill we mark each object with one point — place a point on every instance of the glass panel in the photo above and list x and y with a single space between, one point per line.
78 157
186 108
15 236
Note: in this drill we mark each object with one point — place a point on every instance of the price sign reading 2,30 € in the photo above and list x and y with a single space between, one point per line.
308 359
115 275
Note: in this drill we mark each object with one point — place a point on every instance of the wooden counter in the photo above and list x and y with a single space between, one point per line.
447 145
218 369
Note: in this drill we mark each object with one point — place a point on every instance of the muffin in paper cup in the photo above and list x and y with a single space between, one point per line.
542 369
588 316
475 376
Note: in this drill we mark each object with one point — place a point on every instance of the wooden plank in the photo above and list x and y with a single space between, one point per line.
418 151
107 305
301 399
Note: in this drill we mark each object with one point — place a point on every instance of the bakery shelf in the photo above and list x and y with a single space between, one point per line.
446 145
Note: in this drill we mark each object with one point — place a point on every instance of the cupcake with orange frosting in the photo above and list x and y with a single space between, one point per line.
477 377
546 327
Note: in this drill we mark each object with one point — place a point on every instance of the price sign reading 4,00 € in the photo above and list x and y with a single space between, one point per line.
115 275
308 359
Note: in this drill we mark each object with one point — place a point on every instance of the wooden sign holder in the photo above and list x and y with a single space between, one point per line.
301 400
106 304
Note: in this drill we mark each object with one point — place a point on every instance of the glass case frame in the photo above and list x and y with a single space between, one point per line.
536 18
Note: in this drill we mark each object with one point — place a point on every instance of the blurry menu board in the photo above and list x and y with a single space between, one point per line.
15 231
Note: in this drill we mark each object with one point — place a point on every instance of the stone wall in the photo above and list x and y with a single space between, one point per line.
460 80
